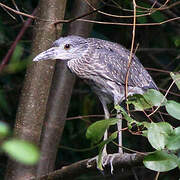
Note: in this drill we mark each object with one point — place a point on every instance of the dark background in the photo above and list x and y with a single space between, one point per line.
158 48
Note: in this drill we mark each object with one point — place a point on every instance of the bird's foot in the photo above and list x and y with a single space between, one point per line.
106 160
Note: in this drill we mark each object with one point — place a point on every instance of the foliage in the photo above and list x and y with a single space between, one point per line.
96 131
161 42
176 78
101 147
20 150
172 107
160 161
161 135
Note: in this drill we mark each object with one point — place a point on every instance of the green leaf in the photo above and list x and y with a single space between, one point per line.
154 97
160 161
174 140
4 129
144 133
177 130
146 124
100 155
158 134
173 108
22 151
127 117
139 102
176 78
96 131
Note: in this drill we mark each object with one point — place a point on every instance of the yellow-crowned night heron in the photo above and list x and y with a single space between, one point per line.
103 65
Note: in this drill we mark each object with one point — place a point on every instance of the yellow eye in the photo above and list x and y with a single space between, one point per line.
66 46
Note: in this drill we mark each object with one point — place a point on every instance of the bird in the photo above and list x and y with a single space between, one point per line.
103 65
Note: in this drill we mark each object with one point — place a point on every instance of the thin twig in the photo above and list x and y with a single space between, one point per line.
89 21
13 46
15 5
145 9
9 13
87 116
131 150
158 70
129 24
157 176
113 15
165 7
158 50
97 115
17 12
131 55
170 92
74 19
146 13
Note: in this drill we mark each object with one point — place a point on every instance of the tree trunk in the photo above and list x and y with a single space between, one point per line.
34 96
60 95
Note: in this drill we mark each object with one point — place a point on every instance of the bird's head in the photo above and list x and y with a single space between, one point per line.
65 48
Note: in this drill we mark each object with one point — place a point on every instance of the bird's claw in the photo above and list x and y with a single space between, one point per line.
106 160
89 162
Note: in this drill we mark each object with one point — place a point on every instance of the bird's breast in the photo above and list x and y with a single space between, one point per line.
81 67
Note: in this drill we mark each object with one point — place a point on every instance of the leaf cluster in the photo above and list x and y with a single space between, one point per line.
161 135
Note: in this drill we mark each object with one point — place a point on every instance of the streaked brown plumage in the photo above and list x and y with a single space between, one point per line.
103 65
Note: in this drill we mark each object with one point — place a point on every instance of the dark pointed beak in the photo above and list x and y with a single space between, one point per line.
49 54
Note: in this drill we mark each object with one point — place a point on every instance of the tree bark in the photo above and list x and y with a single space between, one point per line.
125 161
33 100
60 94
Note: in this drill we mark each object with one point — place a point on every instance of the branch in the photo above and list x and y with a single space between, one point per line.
76 169
131 55
74 19
17 12
13 46
129 24
164 7
91 21
15 5
147 12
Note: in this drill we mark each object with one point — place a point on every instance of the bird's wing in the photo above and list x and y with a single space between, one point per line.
113 66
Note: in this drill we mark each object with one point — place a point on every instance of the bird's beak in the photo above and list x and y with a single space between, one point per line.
49 54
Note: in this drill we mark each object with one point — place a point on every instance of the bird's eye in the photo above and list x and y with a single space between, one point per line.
66 46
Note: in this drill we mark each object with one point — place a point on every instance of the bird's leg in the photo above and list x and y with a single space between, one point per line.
105 138
107 159
107 116
119 127
110 157
104 152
